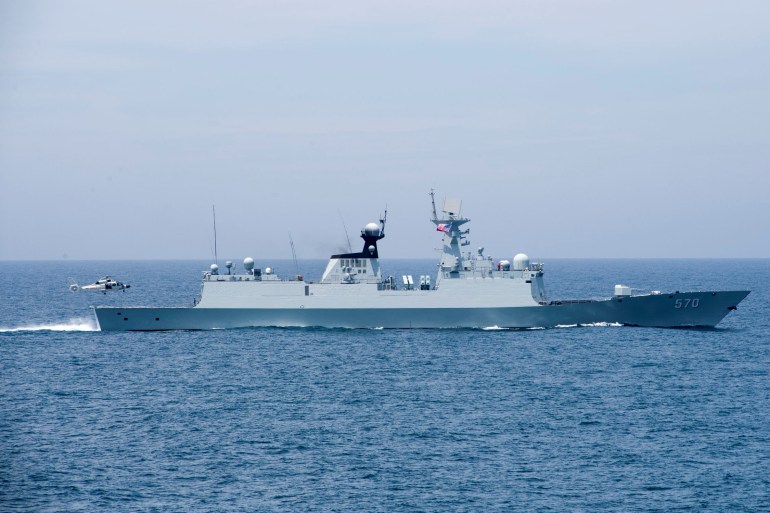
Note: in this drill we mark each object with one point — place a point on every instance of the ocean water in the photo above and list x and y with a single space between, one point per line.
593 419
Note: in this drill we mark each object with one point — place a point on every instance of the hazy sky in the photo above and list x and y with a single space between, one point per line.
590 128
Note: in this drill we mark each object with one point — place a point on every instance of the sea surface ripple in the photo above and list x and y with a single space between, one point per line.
587 418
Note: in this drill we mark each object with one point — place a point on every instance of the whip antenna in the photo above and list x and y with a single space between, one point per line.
350 247
214 213
294 256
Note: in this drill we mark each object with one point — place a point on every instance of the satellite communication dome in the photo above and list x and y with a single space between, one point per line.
229 264
372 229
268 270
371 249
504 265
520 262
248 263
214 268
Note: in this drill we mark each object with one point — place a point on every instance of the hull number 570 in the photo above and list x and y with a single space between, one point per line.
687 303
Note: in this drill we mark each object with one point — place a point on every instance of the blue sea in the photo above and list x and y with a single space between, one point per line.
591 419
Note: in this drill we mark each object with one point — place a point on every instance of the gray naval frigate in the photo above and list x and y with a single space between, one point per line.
469 291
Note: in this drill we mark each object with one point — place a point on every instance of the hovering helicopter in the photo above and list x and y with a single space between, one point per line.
102 285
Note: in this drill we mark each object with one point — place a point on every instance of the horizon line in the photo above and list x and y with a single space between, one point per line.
3 260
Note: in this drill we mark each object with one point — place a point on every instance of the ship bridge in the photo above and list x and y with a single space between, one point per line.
361 267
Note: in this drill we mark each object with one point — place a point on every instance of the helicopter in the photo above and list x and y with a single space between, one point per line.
103 285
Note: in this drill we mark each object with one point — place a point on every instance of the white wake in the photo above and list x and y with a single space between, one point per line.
591 325
79 324
498 328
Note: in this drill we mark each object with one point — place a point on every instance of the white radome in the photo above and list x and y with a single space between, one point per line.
520 262
248 263
372 229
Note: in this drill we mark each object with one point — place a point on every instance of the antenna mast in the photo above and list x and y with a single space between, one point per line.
214 212
383 220
294 256
350 247
433 203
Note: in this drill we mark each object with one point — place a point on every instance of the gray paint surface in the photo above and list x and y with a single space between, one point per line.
652 310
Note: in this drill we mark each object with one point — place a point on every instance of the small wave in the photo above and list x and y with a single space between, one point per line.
590 325
80 324
493 328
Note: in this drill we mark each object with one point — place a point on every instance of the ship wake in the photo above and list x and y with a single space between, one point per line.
590 325
78 324
498 328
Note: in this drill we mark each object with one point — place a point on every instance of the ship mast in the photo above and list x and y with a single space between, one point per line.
214 213
383 219
454 237
433 202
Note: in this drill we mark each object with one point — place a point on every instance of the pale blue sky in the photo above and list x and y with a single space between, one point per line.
570 128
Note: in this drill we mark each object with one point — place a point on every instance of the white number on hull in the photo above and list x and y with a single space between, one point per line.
687 303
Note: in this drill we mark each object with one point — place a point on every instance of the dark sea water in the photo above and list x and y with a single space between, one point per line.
590 419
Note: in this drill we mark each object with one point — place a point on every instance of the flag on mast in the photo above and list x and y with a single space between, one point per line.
444 227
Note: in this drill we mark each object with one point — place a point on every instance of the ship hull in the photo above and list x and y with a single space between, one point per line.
688 309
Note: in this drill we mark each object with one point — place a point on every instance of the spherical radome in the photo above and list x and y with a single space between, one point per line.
372 229
520 262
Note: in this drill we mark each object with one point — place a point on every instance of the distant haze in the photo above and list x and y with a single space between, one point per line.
569 129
